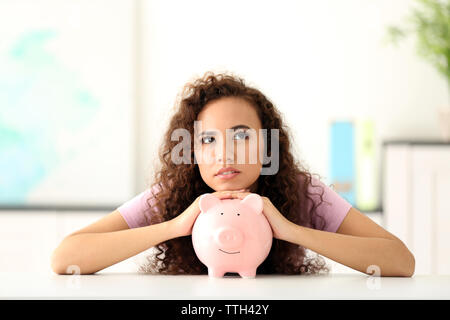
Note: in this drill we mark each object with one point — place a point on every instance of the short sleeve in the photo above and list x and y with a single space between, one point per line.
333 209
136 210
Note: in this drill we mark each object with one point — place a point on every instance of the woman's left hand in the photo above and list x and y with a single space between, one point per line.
281 227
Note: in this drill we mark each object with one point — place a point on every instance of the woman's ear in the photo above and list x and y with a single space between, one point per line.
207 201
254 201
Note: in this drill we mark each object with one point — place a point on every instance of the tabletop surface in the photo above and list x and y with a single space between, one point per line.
192 287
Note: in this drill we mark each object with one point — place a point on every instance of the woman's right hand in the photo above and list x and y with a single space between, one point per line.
182 224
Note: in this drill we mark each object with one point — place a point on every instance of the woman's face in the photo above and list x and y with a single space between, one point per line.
240 150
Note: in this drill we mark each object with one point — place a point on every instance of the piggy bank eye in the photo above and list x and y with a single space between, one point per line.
238 214
221 213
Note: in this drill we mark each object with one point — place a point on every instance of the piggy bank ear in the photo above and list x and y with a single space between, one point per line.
207 201
254 201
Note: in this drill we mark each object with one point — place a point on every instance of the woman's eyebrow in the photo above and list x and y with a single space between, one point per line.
240 126
211 133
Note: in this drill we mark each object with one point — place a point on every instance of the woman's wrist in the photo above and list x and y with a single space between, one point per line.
170 230
292 234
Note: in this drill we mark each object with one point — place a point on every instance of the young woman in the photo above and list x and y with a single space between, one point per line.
303 212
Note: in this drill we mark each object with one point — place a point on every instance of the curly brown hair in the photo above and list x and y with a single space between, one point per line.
180 184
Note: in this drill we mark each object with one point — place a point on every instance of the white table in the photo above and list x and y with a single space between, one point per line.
270 287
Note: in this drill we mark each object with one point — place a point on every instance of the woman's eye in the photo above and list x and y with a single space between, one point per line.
237 136
207 140
241 135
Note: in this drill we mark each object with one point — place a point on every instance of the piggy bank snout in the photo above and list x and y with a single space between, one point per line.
228 237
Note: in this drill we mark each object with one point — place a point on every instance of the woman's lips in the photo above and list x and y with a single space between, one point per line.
227 176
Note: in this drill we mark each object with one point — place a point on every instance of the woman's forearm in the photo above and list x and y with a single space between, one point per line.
92 252
359 253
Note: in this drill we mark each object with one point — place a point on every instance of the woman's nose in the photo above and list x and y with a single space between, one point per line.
229 160
224 154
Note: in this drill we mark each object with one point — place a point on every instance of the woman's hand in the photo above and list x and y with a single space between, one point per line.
281 227
182 224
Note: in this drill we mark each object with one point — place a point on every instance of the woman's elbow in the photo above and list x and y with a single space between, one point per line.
408 263
412 266
62 266
57 263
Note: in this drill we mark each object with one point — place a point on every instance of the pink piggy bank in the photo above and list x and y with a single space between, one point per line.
231 235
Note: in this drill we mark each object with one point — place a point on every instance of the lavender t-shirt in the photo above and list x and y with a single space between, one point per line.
333 209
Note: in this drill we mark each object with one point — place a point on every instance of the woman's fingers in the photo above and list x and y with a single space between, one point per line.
233 195
230 194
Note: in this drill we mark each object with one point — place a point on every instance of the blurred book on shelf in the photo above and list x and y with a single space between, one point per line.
353 165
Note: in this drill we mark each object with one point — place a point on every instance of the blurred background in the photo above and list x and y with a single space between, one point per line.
87 88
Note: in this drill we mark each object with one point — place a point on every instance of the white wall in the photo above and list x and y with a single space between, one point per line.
29 238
